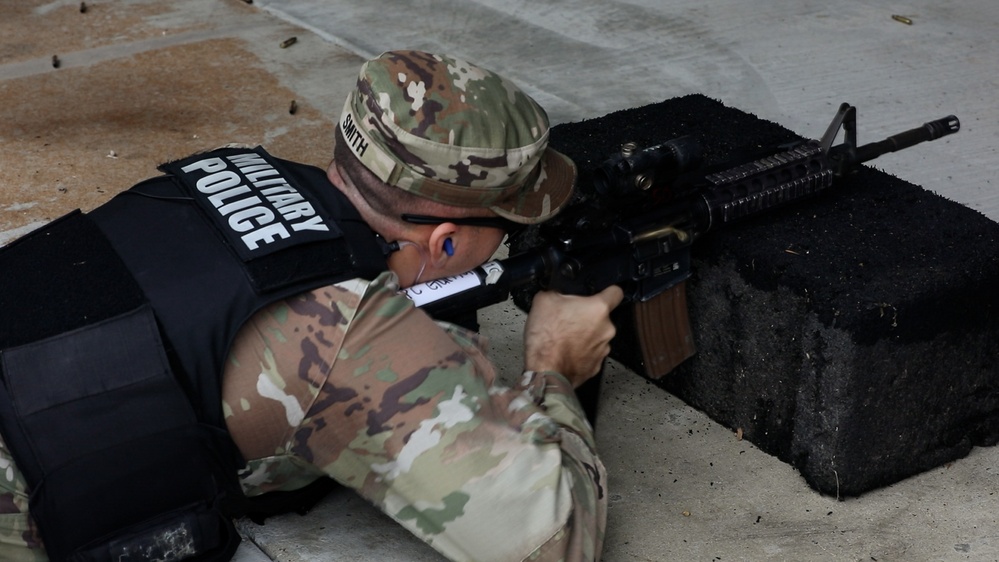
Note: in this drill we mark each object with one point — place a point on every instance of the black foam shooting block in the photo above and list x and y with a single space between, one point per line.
854 335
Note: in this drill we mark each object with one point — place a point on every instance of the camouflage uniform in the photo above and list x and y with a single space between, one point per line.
351 381
19 539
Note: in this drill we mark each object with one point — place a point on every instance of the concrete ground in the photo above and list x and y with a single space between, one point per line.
94 95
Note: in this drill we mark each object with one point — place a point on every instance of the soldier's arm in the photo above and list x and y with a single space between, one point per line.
412 418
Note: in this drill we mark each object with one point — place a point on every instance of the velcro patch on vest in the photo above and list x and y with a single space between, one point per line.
256 207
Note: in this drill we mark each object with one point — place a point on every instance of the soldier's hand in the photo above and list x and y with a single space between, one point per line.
570 334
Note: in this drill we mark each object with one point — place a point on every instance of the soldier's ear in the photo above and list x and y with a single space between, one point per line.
442 242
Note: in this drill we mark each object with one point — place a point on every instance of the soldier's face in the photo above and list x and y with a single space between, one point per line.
444 250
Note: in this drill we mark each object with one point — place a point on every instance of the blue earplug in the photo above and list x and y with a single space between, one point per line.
448 247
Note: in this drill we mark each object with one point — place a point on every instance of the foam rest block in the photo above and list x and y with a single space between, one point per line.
854 335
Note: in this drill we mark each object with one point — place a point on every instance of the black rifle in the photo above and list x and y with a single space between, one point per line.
634 228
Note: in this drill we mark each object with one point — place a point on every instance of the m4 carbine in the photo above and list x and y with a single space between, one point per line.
636 225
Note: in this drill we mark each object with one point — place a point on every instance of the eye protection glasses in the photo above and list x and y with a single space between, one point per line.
490 222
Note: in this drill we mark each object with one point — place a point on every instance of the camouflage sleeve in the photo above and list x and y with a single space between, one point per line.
19 538
411 416
581 537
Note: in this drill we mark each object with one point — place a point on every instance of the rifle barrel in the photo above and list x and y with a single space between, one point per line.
929 131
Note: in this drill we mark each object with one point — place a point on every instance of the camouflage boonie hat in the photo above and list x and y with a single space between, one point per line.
456 133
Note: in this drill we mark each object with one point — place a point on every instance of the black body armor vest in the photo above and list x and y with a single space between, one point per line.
114 329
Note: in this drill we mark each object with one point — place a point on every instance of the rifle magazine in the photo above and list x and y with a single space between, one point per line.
662 327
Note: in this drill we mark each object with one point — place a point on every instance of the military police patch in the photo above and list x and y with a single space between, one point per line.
257 208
